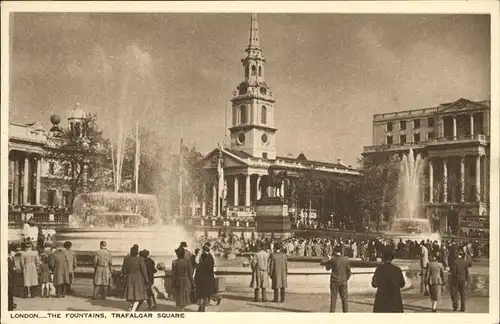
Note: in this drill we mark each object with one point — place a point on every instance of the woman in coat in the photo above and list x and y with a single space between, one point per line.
435 280
182 273
388 279
204 277
136 279
278 271
29 264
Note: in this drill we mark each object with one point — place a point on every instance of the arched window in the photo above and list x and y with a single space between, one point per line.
254 70
243 116
246 71
260 71
263 115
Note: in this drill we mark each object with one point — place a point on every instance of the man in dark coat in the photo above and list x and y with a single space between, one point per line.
11 279
278 271
61 269
204 277
459 277
341 273
103 269
150 270
388 279
187 254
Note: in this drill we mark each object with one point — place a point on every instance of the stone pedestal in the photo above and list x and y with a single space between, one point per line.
271 216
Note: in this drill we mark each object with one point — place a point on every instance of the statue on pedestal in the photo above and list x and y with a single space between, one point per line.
274 180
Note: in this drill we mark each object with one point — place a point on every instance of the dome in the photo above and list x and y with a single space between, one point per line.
55 119
77 113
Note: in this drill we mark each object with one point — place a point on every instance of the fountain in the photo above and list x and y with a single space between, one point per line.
410 222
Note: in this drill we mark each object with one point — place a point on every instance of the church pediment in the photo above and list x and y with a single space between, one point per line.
461 105
230 160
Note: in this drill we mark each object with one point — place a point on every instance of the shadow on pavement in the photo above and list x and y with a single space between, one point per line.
283 309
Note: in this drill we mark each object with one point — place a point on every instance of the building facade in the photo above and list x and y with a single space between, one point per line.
250 153
454 138
38 187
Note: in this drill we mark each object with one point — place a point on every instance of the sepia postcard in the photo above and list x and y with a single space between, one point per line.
161 159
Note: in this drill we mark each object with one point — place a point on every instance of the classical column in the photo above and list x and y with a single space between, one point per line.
486 174
15 182
225 189
193 206
38 180
26 180
472 125
258 190
462 178
214 200
236 190
431 181
445 179
478 178
454 127
282 189
203 202
247 190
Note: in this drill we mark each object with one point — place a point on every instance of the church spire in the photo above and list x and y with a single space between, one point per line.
254 42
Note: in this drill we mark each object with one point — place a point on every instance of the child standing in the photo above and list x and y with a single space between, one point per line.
45 277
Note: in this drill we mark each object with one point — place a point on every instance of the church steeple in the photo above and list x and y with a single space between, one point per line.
252 129
254 42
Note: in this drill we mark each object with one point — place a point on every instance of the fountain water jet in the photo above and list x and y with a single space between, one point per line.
410 221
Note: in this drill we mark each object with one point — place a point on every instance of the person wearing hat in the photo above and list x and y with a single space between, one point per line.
29 265
435 280
204 278
60 268
278 270
103 269
260 272
459 277
388 279
136 279
188 253
341 273
151 270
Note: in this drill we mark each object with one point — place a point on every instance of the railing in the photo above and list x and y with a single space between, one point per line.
436 141
41 219
220 223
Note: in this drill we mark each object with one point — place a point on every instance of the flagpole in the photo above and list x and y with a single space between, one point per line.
137 157
181 171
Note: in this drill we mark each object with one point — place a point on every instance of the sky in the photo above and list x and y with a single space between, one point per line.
176 73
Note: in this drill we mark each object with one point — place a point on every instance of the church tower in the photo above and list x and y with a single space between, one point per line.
252 129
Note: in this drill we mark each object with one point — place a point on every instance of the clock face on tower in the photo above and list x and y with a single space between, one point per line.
264 138
241 138
263 90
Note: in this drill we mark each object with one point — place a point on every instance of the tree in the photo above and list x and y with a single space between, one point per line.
79 151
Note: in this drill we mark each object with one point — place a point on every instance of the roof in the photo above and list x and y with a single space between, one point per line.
302 159
240 154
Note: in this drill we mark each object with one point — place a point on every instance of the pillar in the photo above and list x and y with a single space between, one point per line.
258 190
225 189
462 178
472 125
38 179
15 182
193 206
203 202
282 189
431 181
486 177
26 180
445 179
478 178
214 200
454 127
247 190
236 191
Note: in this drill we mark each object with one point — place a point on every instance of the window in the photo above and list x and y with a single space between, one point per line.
430 136
254 70
402 124
388 127
430 121
402 139
260 71
51 197
66 198
51 168
389 140
243 117
263 115
416 137
416 123
66 169
264 155
246 71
